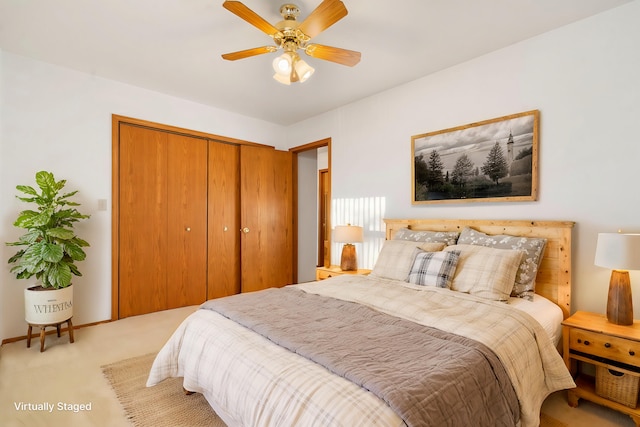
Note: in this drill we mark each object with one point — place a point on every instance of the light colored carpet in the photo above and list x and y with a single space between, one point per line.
548 421
167 405
164 404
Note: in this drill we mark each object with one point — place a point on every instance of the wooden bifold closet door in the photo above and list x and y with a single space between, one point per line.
162 220
196 218
224 220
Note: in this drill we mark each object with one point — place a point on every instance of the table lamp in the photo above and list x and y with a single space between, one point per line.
348 234
620 252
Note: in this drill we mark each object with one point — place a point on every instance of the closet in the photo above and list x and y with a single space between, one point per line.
195 217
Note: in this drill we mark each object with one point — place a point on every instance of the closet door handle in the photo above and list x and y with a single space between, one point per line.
188 229
245 230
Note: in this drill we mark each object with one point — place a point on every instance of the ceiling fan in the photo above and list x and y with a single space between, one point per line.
291 35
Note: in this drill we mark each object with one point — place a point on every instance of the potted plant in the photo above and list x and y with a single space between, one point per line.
49 250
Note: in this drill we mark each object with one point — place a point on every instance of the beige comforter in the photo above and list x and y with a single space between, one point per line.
427 376
252 382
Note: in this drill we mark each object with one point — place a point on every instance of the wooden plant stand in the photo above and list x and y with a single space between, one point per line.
42 331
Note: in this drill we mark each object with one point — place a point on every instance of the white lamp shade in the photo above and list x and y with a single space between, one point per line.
283 64
347 234
618 251
284 79
303 70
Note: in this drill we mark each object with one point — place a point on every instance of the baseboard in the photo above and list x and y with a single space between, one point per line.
53 331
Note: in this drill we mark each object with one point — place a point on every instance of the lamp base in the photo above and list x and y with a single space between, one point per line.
348 260
619 302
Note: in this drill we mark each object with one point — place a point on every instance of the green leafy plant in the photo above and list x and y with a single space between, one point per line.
51 247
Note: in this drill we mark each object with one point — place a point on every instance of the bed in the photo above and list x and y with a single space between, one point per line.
469 337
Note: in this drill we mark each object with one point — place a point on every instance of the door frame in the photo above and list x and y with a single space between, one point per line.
324 252
325 142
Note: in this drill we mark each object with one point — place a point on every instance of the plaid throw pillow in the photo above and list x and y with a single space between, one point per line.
434 268
485 272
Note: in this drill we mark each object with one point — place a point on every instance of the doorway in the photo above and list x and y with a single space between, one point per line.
312 193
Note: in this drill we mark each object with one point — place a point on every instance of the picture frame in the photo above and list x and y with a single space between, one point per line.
493 160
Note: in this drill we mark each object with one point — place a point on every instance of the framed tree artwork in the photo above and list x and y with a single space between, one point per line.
490 161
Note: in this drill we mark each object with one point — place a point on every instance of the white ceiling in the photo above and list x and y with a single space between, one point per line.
174 46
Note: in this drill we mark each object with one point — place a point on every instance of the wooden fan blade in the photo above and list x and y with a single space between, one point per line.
242 11
325 15
334 54
241 54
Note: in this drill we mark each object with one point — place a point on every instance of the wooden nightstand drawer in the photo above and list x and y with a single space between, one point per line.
322 274
326 272
605 346
590 339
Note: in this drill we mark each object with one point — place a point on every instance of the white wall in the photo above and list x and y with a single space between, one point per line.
60 120
307 215
309 165
584 80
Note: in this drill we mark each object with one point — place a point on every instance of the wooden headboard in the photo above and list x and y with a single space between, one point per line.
554 275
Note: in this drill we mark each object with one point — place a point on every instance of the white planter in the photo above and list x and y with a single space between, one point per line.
48 306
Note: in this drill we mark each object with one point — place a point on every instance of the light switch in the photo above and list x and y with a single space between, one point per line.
102 204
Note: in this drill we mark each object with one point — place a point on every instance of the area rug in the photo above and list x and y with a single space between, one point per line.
166 404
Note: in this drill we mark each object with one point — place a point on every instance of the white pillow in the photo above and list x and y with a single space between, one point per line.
485 272
396 258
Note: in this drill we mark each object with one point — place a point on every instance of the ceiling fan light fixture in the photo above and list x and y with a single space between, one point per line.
285 79
303 70
291 35
283 64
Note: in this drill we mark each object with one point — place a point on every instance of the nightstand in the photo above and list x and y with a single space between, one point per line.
611 349
331 271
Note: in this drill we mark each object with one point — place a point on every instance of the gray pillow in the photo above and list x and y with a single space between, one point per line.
532 248
446 237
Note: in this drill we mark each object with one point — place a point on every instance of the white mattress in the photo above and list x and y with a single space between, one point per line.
548 314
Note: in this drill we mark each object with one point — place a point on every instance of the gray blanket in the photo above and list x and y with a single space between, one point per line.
428 377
